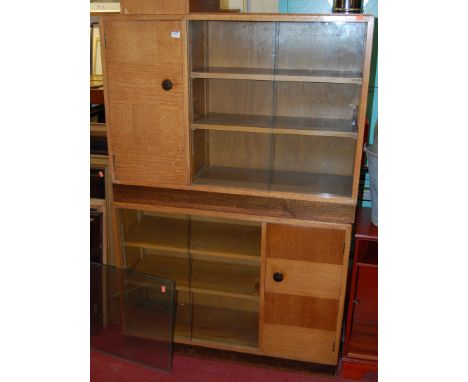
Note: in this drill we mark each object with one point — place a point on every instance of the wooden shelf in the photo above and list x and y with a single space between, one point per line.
286 181
282 75
235 74
223 240
206 277
279 125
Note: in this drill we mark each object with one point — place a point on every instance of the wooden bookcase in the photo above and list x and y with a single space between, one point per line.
235 143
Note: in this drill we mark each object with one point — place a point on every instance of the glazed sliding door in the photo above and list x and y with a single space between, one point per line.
145 87
232 103
276 106
225 281
318 86
158 244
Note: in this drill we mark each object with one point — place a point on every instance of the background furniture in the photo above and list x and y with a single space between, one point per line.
360 351
236 169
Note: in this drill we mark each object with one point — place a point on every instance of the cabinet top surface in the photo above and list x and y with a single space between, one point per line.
229 16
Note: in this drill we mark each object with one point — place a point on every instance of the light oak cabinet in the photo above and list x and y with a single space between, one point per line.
245 285
263 105
236 143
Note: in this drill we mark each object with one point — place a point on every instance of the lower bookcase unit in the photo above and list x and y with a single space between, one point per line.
250 285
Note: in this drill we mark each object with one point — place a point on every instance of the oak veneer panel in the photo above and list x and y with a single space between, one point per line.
263 208
167 7
304 278
146 125
299 343
317 245
306 312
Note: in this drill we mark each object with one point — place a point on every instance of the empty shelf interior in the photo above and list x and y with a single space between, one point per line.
286 181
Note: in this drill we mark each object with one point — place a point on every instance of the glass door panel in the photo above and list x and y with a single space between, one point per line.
317 91
157 244
232 68
225 280
332 50
132 315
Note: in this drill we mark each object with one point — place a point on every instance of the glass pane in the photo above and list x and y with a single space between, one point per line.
317 90
232 47
313 164
132 315
225 280
322 49
233 159
158 244
232 67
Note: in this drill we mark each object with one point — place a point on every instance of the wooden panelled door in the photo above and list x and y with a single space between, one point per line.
305 279
145 100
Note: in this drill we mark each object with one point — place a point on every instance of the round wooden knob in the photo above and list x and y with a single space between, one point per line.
167 85
278 277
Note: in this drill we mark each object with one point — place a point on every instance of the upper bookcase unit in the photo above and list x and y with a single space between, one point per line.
279 106
262 105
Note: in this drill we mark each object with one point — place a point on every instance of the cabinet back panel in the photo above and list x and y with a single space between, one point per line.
241 44
239 150
317 100
320 155
241 97
321 46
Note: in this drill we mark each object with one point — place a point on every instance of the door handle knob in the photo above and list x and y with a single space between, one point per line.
167 85
278 277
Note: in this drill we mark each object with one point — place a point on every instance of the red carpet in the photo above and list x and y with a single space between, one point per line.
105 368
